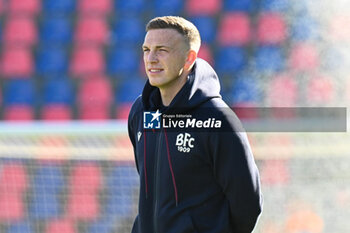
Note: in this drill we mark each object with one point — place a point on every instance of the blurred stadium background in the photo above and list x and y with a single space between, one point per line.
70 70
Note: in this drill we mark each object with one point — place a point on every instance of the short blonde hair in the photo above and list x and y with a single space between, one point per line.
183 26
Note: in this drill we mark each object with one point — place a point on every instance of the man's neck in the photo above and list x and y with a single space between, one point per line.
168 93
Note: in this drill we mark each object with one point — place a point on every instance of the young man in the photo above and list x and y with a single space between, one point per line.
198 176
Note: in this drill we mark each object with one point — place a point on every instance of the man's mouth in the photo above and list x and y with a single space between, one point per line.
153 70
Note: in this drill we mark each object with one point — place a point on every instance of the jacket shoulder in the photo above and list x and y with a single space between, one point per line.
219 109
216 103
136 108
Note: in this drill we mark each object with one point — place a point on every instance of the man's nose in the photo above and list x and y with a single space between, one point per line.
151 57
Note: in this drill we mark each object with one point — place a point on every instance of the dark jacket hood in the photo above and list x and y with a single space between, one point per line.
202 85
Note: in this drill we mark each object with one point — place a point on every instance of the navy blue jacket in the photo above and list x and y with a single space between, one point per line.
194 181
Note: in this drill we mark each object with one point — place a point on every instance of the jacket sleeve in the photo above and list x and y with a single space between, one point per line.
237 174
131 132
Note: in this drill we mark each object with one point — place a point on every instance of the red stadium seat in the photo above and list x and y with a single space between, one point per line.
91 30
60 226
94 113
275 172
282 91
203 7
83 206
85 178
16 62
13 182
2 6
101 7
320 90
24 7
20 31
56 112
11 206
123 110
303 57
95 91
18 113
206 54
246 110
85 182
87 61
271 29
234 29
94 99
13 178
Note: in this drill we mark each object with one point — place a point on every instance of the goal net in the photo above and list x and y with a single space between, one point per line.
80 177
72 177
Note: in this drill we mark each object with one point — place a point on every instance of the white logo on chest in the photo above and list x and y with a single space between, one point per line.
139 134
184 142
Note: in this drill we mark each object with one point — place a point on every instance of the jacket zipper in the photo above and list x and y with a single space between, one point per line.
156 182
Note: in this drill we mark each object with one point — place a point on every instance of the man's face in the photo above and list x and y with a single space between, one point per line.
164 55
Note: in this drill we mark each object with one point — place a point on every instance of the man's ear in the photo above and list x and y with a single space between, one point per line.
191 58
